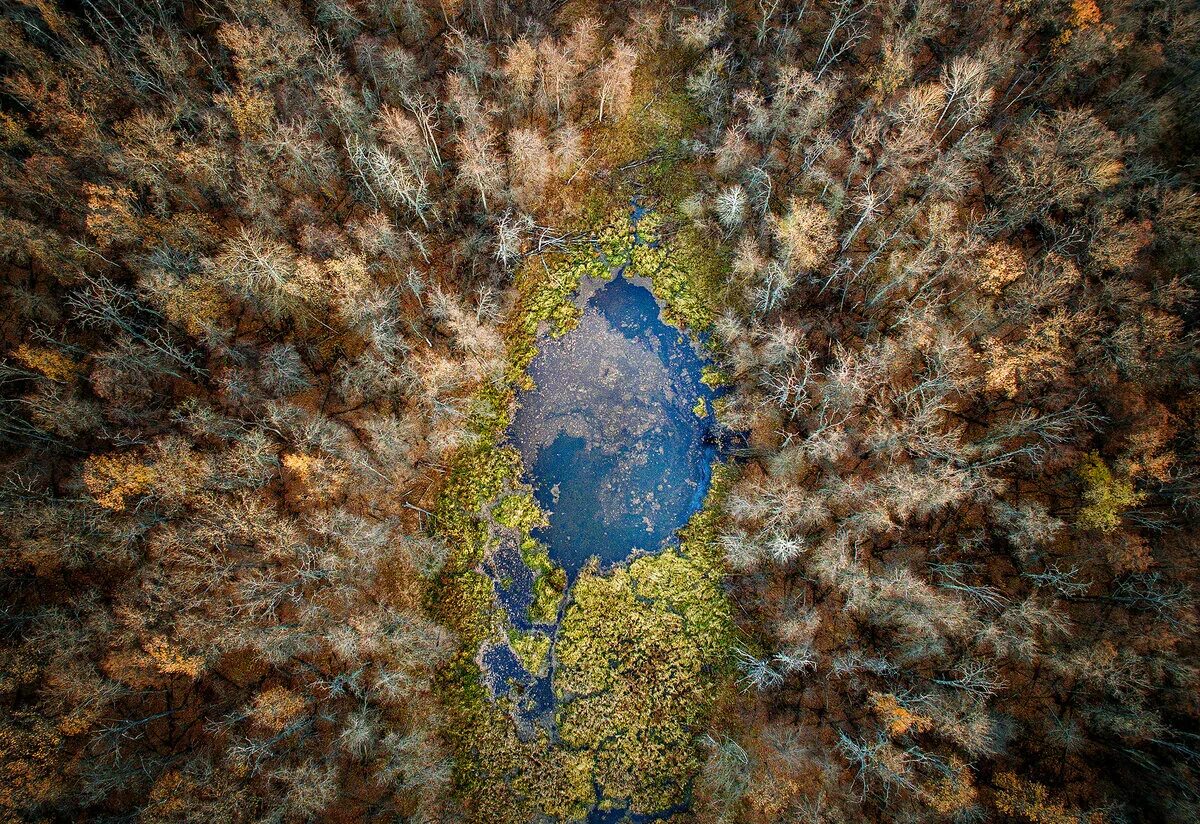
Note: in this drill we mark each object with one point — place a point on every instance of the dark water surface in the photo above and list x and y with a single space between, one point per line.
610 438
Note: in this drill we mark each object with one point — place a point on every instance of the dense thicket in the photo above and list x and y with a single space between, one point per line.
246 308
965 541
255 258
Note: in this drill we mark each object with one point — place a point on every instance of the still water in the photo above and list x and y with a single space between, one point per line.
611 439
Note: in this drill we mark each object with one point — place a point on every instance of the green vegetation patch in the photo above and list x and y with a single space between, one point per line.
1107 495
639 652
502 778
499 776
532 650
519 511
479 475
687 272
712 377
549 585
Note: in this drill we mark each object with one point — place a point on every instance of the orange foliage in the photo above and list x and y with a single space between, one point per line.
314 479
53 364
111 215
275 707
171 661
953 792
1084 13
12 132
1001 264
1029 801
113 479
168 794
898 719
195 305
251 111
27 764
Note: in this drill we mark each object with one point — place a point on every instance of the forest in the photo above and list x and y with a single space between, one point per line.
890 306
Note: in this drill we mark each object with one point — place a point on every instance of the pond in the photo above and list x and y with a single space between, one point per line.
618 439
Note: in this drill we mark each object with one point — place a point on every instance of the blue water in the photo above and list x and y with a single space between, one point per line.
612 447
504 669
597 816
513 581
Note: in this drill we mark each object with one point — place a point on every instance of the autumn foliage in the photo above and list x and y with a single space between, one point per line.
257 260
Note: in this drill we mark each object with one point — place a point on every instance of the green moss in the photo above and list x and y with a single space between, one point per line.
549 584
639 652
501 778
519 511
532 650
478 476
642 653
700 409
615 242
548 591
688 272
467 604
699 538
712 377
